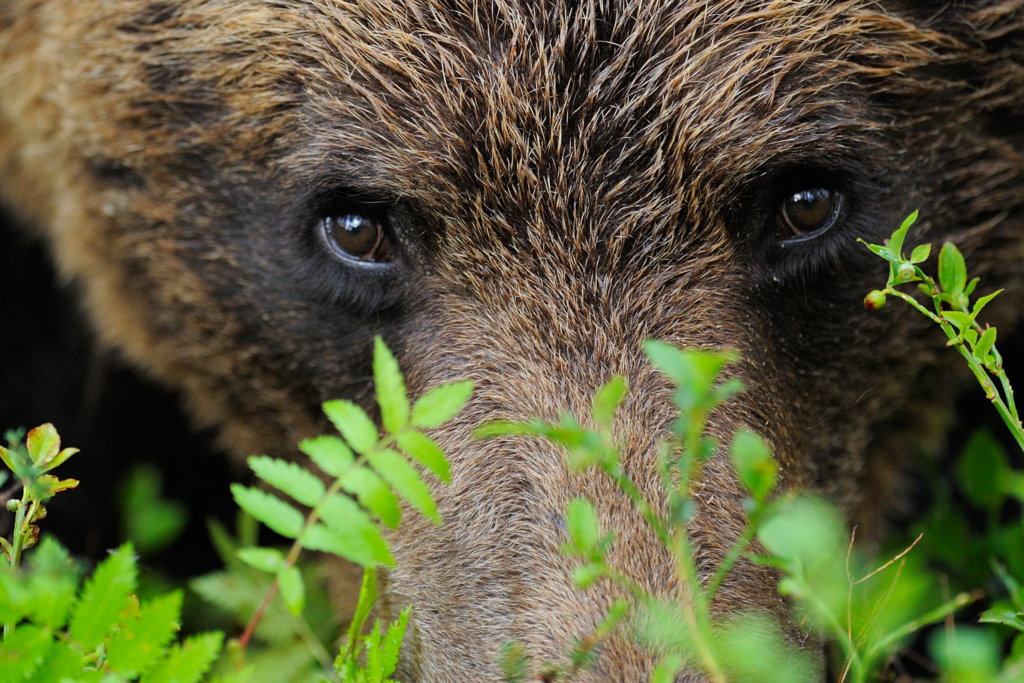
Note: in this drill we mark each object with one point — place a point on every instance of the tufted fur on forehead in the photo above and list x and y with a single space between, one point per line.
561 181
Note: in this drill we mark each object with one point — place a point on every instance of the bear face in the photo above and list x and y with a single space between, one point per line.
519 193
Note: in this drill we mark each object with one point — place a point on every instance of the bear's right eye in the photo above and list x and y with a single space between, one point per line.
356 237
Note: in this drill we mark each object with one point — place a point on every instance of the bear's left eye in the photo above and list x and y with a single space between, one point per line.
356 237
808 212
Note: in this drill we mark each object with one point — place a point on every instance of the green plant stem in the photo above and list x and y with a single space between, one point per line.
1008 414
296 549
696 611
937 614
734 554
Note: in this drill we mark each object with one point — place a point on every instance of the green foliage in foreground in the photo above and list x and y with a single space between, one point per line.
56 629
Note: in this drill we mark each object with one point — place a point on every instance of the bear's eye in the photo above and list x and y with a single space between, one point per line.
809 212
356 237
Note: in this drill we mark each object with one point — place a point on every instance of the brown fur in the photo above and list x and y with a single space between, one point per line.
565 179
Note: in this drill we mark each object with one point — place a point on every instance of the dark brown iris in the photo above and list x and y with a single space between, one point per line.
807 212
356 237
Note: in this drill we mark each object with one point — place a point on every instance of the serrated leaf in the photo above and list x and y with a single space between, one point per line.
61 665
608 399
393 642
985 344
582 525
137 645
344 517
104 596
329 453
349 545
405 480
921 253
440 404
42 443
387 378
353 423
952 269
368 595
374 495
293 590
51 584
755 468
269 509
264 559
289 478
186 663
22 652
426 452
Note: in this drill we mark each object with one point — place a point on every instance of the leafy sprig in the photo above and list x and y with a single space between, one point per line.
370 473
952 311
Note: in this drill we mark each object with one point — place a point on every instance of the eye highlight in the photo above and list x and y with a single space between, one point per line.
808 213
356 237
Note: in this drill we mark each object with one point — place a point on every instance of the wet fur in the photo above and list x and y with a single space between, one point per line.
564 180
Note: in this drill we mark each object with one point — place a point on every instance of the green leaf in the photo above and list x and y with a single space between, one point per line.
921 253
694 372
290 478
186 663
353 423
426 452
1004 617
496 428
393 642
667 668
329 453
42 443
754 465
585 575
582 525
952 269
387 378
62 664
374 495
983 468
103 598
971 285
959 320
151 522
349 545
360 537
293 590
971 655
896 241
985 344
137 645
440 404
608 399
269 509
405 480
22 652
52 582
264 559
367 599
980 303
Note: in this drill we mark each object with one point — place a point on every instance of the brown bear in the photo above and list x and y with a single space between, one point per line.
520 192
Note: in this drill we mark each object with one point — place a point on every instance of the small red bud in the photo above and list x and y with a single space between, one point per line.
874 300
